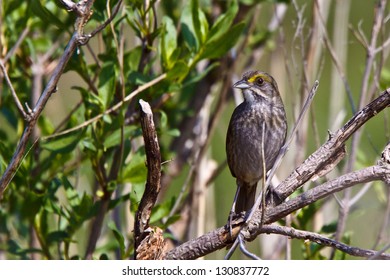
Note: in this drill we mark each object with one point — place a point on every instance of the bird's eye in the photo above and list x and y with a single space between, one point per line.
259 81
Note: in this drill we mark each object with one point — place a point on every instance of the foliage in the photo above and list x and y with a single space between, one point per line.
65 183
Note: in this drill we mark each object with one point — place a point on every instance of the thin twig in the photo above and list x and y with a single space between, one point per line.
284 149
378 22
108 21
13 92
232 249
110 110
325 241
25 32
45 96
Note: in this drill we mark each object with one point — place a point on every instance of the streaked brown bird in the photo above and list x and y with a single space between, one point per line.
262 108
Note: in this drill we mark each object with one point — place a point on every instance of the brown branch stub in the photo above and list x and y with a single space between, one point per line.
153 161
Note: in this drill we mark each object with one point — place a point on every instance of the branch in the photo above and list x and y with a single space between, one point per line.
324 157
322 240
329 153
51 87
220 237
112 109
152 187
13 92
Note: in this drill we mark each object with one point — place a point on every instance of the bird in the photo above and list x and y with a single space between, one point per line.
258 123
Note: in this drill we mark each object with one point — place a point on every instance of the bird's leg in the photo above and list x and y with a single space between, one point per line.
233 210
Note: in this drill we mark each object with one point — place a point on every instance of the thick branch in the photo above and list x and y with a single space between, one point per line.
369 174
153 160
219 238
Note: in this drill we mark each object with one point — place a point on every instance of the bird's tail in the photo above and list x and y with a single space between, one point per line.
246 197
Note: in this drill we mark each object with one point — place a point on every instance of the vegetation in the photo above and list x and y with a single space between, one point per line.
72 155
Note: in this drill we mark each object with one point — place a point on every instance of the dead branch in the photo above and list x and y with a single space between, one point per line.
330 152
322 240
153 160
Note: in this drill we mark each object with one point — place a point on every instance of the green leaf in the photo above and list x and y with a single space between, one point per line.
137 78
223 23
179 71
200 23
114 138
218 47
57 236
199 76
89 144
45 15
63 144
132 59
71 193
135 171
173 132
171 220
168 42
187 29
161 210
107 83
163 119
119 238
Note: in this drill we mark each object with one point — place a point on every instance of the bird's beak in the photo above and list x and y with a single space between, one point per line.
242 84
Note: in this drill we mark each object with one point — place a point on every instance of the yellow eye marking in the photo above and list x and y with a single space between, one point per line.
255 77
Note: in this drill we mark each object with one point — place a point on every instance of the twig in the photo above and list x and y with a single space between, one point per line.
338 66
14 95
17 44
108 21
322 240
232 249
360 194
74 42
379 254
378 22
332 151
110 110
284 149
152 187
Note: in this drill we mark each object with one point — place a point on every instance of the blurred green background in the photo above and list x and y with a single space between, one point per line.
50 208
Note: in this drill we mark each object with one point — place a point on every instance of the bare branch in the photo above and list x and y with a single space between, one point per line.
108 21
153 186
322 240
14 95
332 149
220 237
17 44
48 91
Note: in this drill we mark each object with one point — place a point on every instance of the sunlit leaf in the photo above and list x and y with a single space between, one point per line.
220 46
63 144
